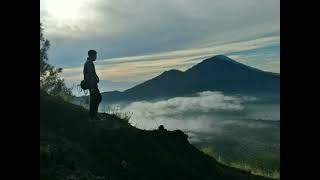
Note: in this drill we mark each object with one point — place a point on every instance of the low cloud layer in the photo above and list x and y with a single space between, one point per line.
206 115
206 112
204 102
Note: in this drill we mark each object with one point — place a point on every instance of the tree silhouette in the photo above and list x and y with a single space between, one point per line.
44 47
49 75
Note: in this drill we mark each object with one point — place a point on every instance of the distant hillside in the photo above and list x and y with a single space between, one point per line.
73 148
218 73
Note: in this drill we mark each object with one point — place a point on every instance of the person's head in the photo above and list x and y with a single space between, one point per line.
92 55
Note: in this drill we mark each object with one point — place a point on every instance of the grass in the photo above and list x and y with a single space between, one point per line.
275 174
116 111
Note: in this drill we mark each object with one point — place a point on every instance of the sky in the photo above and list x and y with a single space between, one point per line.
138 40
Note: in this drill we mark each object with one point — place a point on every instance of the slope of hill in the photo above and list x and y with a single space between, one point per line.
218 73
73 148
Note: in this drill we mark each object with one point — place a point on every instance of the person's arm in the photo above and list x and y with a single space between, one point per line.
95 74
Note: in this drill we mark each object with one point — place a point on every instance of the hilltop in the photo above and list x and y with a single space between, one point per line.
72 147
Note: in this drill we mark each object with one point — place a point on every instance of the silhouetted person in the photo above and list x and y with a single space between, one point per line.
92 79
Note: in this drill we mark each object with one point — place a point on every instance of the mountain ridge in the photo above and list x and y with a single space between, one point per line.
217 73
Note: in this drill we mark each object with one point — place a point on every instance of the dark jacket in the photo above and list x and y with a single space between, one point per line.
90 75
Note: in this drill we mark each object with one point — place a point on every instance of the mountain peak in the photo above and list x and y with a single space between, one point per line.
218 61
172 71
221 58
224 62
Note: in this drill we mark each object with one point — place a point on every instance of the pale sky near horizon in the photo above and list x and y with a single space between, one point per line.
137 40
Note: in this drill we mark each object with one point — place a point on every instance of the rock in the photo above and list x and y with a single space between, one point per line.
161 128
124 164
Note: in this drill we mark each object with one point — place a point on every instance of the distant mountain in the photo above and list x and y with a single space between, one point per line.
218 73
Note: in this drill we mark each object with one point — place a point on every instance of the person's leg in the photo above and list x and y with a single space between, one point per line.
96 110
97 101
92 105
95 98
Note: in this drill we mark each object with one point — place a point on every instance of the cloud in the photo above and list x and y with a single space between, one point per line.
196 114
128 28
207 116
204 102
124 18
265 58
141 68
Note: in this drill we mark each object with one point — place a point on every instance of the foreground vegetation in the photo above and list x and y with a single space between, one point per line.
257 170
